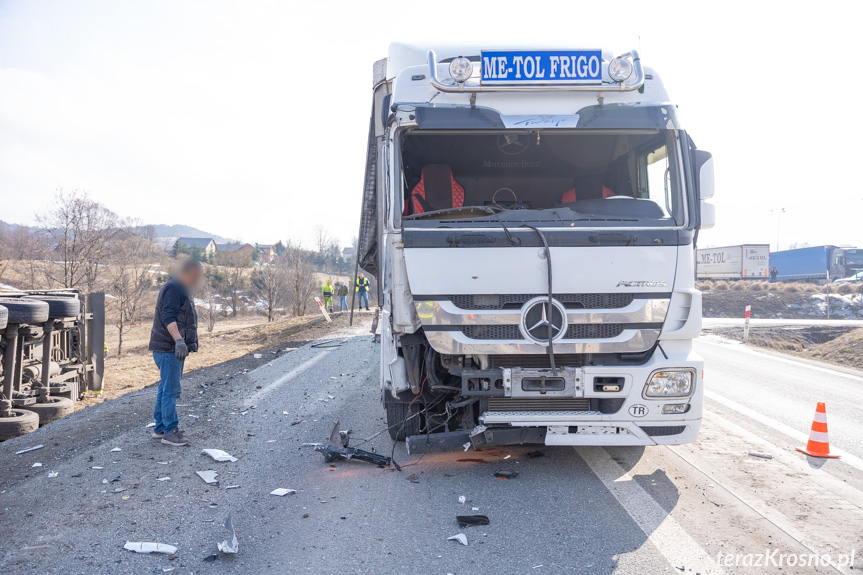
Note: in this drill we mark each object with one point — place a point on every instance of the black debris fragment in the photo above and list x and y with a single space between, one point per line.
506 474
471 520
535 454
413 478
337 448
211 558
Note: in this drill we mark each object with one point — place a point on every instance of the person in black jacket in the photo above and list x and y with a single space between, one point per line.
173 337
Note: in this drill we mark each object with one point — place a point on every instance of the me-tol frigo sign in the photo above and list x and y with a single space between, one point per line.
541 66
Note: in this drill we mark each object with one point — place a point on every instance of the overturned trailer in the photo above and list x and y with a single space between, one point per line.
531 216
51 354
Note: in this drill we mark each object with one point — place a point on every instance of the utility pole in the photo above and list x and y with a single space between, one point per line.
778 212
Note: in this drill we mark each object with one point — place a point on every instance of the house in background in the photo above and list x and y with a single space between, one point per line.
236 248
206 247
267 253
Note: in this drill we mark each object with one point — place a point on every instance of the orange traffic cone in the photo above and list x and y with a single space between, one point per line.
819 445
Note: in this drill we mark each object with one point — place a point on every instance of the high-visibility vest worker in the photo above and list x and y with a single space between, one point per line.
362 284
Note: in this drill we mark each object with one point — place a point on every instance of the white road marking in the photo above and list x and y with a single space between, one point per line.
800 436
285 378
743 349
661 529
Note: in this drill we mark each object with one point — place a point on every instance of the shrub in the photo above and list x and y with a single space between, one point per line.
721 286
757 286
738 285
791 288
844 288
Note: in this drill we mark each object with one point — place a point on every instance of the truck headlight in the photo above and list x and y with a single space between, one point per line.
620 69
669 383
460 69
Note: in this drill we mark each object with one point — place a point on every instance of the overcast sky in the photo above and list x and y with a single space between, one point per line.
249 119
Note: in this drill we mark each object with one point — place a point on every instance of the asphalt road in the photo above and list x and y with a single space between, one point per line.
638 511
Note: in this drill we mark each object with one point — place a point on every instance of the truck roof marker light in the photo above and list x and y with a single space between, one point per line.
460 69
620 69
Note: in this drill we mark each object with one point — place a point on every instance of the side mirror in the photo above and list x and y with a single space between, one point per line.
704 172
708 215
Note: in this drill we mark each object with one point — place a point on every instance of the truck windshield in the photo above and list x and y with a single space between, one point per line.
536 176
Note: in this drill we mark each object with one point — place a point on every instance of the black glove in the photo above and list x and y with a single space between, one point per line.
181 350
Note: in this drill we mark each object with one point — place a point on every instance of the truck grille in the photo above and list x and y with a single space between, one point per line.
512 332
535 361
516 301
498 404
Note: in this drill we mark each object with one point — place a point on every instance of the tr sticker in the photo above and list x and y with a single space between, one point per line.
638 410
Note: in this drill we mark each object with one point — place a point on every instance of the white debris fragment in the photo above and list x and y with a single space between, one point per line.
37 464
219 455
285 413
466 446
462 499
208 476
461 538
53 474
257 356
232 486
104 481
151 424
232 545
141 547
34 448
281 491
760 455
116 449
166 478
97 467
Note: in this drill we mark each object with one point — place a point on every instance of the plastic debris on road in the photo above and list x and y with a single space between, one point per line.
257 356
166 478
229 545
145 547
461 538
151 424
219 455
462 499
208 476
34 448
281 491
471 520
116 449
53 474
37 464
535 454
760 455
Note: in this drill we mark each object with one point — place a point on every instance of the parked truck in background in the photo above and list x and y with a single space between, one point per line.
749 261
531 216
813 264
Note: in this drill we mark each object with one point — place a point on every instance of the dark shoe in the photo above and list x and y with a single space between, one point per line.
175 437
157 435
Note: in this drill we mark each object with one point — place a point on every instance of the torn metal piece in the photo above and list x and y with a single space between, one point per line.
471 520
232 545
337 448
147 547
208 476
461 538
219 455
34 448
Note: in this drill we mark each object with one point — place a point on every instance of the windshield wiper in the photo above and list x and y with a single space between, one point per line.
486 209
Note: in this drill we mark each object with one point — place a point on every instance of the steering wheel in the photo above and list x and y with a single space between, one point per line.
494 197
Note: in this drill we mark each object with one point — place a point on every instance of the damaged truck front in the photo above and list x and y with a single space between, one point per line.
531 216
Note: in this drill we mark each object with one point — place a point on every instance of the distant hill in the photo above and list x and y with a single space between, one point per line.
181 231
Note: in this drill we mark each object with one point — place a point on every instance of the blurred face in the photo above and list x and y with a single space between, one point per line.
192 279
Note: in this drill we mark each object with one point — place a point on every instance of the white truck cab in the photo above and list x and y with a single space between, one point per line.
531 217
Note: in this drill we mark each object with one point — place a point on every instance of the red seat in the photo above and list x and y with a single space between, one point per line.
569 195
436 190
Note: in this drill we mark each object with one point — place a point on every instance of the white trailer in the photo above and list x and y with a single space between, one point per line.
748 261
531 216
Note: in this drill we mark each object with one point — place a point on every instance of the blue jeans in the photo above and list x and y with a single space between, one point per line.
364 295
343 302
170 373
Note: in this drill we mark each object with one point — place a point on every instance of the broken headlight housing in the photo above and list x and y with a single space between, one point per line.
670 383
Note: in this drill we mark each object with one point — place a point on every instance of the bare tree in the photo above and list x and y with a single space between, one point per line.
212 301
133 263
299 277
269 282
79 229
235 261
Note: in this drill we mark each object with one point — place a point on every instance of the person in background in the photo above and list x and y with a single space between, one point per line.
343 296
327 292
173 337
774 273
363 291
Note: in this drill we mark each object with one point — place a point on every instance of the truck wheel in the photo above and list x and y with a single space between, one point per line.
59 306
21 423
23 310
4 315
56 408
400 427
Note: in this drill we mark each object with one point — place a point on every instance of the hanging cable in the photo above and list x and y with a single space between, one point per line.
550 346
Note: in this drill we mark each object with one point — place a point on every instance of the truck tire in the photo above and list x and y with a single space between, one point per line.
55 408
400 427
21 423
60 306
4 315
23 310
